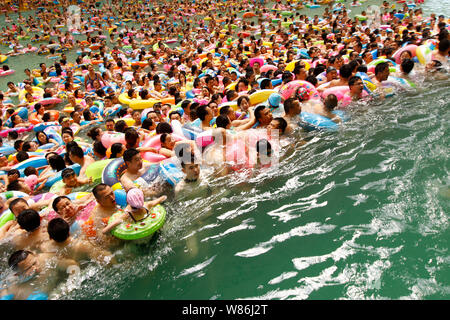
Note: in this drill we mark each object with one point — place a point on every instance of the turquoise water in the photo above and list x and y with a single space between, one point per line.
361 213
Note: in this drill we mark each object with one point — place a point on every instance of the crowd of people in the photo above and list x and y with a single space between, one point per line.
164 90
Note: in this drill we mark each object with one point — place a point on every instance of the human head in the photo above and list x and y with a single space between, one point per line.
190 168
18 205
58 230
64 207
135 198
132 159
29 220
292 106
356 85
263 115
76 154
69 177
104 195
330 102
382 71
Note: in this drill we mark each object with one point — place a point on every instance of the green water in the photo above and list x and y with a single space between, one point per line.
357 214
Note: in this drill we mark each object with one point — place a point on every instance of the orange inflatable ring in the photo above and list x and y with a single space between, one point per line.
54 116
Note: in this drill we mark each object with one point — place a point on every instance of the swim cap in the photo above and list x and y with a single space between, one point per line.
302 94
135 198
275 99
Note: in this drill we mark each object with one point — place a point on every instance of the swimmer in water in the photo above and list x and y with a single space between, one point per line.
71 181
136 210
35 271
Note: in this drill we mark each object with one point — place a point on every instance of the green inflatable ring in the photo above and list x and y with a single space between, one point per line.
95 169
287 13
57 186
5 217
361 18
140 229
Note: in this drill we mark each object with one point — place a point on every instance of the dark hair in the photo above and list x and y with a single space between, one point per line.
29 220
381 67
407 65
202 112
346 71
129 154
57 162
58 229
115 149
131 137
26 146
330 102
67 172
99 148
17 257
76 151
353 80
147 123
56 201
265 83
120 126
258 111
97 189
13 172
288 104
222 121
22 156
16 201
18 144
37 137
94 132
263 144
282 122
29 171
163 127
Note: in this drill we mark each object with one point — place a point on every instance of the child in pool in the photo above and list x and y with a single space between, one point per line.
136 210
71 181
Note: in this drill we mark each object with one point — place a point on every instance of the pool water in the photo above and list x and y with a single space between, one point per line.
361 213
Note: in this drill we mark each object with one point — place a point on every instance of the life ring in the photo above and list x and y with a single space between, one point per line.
7 72
114 169
311 121
287 90
54 116
111 137
141 229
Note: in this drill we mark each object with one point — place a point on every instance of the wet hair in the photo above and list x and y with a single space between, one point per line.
330 102
29 220
444 45
282 124
67 172
288 104
58 200
17 257
58 229
407 65
129 154
265 83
